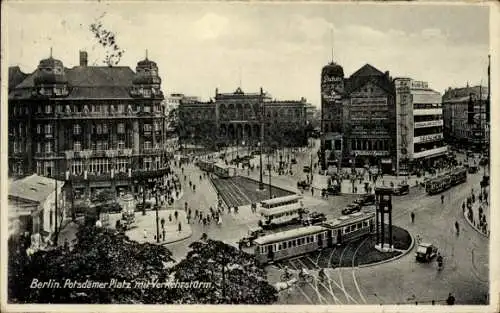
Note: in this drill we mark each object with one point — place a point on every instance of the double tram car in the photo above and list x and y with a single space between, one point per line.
291 243
438 184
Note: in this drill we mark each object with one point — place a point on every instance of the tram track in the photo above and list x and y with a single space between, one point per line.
298 287
354 272
341 279
329 290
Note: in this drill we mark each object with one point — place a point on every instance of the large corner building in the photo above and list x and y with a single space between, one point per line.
91 126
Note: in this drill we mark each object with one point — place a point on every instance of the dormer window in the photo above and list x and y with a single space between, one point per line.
147 93
48 109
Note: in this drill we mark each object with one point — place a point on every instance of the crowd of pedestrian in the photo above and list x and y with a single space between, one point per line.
480 202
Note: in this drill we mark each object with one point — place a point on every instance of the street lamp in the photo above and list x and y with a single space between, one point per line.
155 191
261 183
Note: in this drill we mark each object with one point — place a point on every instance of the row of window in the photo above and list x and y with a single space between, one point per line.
291 243
354 227
426 105
94 108
98 129
363 144
96 166
426 118
77 146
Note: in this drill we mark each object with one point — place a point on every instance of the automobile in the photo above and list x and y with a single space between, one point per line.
367 199
313 218
253 233
473 169
307 169
351 208
425 252
333 190
293 161
401 189
303 185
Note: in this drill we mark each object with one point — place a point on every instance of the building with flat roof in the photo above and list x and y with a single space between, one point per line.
419 120
465 118
236 118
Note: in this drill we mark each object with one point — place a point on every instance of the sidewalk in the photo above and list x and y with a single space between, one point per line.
478 214
148 222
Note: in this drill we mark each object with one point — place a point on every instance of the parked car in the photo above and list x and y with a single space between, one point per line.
367 199
351 208
307 169
303 185
253 233
333 190
425 252
402 189
313 218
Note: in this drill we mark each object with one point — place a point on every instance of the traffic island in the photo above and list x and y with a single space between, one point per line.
143 229
362 251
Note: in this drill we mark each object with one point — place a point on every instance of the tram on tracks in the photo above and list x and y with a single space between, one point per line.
302 240
224 171
444 182
207 166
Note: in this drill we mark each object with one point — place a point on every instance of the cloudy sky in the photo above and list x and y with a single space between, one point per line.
281 47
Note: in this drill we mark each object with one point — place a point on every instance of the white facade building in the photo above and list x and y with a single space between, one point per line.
419 121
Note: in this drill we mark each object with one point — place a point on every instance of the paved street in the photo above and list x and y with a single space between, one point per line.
465 272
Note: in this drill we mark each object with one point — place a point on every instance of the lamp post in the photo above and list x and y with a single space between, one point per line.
269 169
155 191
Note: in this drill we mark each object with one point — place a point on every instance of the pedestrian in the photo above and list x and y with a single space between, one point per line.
450 300
179 227
164 233
194 188
412 217
145 233
463 206
170 217
196 213
442 199
312 191
176 215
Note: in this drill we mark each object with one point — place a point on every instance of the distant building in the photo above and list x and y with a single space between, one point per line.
332 93
235 119
31 204
419 121
93 126
369 119
465 121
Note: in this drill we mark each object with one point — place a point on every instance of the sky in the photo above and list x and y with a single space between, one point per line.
278 46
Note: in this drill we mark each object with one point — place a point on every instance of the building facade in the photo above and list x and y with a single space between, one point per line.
332 92
465 119
93 127
419 120
32 205
369 129
236 118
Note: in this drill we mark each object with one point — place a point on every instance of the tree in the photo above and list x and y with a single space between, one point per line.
99 255
107 40
235 276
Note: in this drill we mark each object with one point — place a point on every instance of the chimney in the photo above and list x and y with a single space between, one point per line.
83 58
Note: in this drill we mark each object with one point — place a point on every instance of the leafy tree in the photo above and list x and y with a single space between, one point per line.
99 255
235 276
107 40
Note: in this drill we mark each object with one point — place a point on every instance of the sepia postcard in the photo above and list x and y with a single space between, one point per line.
249 156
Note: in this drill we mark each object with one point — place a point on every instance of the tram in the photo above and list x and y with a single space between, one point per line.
294 242
458 176
446 181
224 171
207 166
